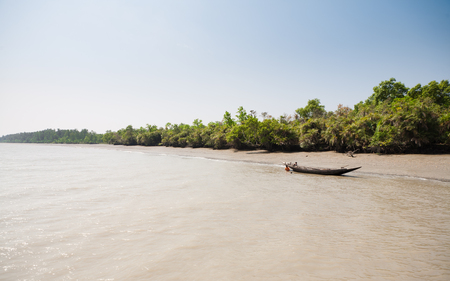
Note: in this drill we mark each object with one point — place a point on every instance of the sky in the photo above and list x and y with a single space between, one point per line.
104 65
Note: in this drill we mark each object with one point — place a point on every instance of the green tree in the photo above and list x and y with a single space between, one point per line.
310 134
195 136
274 135
439 93
312 110
407 124
241 115
198 123
149 138
217 135
128 135
444 126
387 90
228 120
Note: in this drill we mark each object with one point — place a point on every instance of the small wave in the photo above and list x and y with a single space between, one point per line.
224 160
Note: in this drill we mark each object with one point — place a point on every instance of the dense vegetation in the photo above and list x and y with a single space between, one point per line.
393 119
52 136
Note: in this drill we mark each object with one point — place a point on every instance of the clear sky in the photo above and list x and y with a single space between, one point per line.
103 65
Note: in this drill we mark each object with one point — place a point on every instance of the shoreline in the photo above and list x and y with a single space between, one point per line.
425 166
421 166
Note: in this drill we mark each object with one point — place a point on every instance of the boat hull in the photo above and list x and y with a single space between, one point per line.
321 171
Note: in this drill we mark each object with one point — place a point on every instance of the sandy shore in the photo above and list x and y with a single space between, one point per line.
412 165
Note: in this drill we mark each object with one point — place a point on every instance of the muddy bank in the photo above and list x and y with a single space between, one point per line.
412 165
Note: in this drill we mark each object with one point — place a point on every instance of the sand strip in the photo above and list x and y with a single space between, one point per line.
410 165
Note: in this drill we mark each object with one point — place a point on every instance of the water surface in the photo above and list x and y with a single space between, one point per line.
87 213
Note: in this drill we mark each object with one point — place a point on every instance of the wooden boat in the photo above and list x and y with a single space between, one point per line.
320 171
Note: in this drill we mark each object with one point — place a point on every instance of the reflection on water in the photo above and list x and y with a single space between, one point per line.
93 214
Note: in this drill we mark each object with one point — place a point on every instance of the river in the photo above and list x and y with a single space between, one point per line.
73 212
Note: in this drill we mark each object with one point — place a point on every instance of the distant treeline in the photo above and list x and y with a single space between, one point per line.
54 136
394 119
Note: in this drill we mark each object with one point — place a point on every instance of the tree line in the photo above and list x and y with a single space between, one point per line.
394 119
55 136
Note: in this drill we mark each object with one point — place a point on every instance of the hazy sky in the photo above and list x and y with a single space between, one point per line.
103 65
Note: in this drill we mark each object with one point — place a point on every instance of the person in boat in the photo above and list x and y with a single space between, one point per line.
287 168
295 164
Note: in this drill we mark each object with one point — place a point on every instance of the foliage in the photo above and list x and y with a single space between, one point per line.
311 134
387 90
54 136
444 127
276 135
312 110
242 115
438 93
228 120
394 119
149 137
407 123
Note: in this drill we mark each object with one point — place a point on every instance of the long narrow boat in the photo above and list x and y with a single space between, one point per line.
320 171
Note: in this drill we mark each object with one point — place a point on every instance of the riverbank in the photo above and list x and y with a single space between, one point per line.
409 165
425 166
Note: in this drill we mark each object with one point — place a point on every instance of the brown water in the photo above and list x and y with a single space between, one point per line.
88 213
